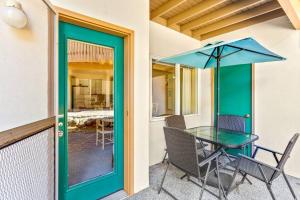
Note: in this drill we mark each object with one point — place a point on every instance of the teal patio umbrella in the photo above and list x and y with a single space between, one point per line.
222 54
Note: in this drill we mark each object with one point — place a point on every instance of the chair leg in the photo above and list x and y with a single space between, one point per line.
270 190
268 183
165 156
289 185
188 177
185 175
96 138
224 193
233 177
219 182
162 181
205 179
245 178
103 140
228 157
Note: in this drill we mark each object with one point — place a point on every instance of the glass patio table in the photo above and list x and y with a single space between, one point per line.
223 139
226 139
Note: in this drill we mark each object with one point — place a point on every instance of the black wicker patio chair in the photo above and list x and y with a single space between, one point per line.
182 151
232 122
177 121
265 172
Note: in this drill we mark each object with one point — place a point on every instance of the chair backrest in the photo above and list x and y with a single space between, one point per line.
286 154
287 151
176 121
181 148
232 122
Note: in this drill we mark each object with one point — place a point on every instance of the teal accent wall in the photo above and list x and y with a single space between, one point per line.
236 94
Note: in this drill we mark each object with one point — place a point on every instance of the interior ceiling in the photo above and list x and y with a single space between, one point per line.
82 52
202 19
163 68
88 70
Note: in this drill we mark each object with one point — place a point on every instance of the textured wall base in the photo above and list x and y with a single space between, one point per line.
27 169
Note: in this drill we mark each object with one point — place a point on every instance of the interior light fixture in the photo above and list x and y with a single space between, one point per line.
13 15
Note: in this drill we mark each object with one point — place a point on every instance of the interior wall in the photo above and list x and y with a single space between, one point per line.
166 42
277 94
90 71
132 14
159 97
24 68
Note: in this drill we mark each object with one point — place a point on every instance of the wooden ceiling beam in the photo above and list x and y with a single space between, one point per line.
195 10
164 8
163 21
256 20
220 13
292 10
263 9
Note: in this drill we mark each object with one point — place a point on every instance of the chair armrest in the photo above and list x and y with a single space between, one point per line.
258 162
209 159
268 150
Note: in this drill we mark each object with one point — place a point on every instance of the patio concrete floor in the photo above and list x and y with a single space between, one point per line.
184 190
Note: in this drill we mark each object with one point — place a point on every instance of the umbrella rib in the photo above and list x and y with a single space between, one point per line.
278 57
232 53
222 50
204 54
211 55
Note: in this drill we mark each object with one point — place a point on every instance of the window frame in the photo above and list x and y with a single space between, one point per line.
177 92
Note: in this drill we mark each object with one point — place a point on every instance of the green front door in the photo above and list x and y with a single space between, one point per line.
91 77
236 95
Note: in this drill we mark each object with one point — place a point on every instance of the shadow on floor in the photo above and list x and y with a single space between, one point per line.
184 190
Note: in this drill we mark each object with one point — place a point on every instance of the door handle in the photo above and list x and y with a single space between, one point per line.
60 127
60 133
247 116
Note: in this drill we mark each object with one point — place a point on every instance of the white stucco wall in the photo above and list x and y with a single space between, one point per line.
277 94
24 99
132 14
23 74
166 42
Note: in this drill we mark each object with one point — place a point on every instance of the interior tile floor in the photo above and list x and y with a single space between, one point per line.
86 160
184 190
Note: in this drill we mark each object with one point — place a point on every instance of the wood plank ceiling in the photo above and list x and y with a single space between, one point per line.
202 19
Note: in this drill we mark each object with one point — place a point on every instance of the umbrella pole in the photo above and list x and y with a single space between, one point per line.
218 86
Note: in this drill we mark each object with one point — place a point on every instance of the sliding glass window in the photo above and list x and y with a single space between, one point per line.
163 89
174 90
188 90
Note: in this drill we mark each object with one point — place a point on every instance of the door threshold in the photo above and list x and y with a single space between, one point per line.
116 196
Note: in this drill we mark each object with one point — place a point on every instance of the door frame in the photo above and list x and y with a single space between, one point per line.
71 17
212 100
